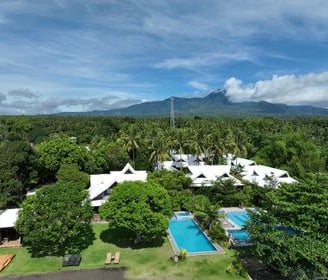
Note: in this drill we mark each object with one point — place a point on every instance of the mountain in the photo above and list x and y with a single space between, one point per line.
214 104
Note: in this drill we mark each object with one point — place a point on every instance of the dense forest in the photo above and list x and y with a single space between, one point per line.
60 152
33 148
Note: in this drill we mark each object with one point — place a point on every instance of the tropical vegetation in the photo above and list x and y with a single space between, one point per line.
56 220
55 154
292 234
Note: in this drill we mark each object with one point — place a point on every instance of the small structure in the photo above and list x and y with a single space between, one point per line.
5 260
71 260
8 235
108 258
206 175
117 258
101 185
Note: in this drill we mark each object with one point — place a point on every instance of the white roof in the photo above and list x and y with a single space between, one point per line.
184 160
166 165
205 175
235 161
260 174
101 182
8 217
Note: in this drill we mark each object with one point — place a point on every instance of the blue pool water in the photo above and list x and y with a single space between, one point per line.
239 235
187 235
239 218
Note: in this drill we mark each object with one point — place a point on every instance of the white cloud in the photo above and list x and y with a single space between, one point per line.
198 85
79 48
305 89
24 101
205 59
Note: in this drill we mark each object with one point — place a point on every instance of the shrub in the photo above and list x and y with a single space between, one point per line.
217 233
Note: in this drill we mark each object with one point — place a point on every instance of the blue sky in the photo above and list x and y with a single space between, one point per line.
81 55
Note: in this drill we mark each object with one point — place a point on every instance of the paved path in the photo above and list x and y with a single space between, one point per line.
88 274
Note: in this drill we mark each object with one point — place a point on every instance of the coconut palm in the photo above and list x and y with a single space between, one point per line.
130 139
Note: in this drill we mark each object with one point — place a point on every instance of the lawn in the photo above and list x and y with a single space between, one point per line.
145 263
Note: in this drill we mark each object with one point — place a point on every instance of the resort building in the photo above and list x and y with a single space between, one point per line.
180 161
265 176
101 185
8 235
206 175
235 162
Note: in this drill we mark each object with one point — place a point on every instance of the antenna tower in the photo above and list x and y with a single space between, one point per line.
172 120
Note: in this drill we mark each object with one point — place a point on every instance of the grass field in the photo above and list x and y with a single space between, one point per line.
145 263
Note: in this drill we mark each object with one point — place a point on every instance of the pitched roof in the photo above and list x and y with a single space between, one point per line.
99 183
184 160
8 217
205 175
238 161
261 174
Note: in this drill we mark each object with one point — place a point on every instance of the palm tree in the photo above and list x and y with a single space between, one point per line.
204 212
157 145
130 140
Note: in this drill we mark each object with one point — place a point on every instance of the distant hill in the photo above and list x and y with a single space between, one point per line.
214 104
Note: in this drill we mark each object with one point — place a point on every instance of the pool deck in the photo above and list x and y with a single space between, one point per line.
226 222
226 210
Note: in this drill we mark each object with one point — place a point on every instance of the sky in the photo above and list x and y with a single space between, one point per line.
83 55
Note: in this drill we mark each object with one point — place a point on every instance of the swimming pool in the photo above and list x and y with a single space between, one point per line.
240 235
186 234
182 214
239 218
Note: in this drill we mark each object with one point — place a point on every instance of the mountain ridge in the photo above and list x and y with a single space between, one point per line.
216 103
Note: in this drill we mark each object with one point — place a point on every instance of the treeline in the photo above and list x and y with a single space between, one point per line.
34 148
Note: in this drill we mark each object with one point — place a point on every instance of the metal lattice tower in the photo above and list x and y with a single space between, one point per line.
172 120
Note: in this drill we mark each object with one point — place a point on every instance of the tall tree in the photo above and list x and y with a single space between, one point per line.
130 139
71 173
177 185
58 150
16 171
206 213
56 220
292 234
139 208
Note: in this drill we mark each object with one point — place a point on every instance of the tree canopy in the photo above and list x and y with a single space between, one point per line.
56 220
177 185
16 173
71 173
292 235
138 207
59 150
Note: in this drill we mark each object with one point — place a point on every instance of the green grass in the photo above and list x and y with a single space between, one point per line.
145 263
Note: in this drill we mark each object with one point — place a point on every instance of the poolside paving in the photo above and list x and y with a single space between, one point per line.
87 274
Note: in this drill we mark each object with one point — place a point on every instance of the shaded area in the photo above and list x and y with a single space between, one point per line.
257 270
99 274
125 239
72 245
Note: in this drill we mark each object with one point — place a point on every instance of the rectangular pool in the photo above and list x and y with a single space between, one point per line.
239 235
239 218
186 234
